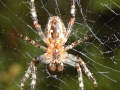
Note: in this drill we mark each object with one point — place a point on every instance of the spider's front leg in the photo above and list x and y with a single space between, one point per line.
80 79
79 64
31 70
87 71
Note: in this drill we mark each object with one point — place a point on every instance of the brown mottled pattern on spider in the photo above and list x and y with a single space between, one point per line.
56 54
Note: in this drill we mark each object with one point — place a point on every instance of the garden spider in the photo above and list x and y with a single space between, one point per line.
56 53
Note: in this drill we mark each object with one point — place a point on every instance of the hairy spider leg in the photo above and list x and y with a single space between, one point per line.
71 22
81 40
33 42
35 21
31 70
72 45
80 65
80 79
87 71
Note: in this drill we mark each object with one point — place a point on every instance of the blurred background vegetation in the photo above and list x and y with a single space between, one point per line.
100 53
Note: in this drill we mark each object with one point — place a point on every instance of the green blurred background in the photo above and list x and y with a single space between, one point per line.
98 17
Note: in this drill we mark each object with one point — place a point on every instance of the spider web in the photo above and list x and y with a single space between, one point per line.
100 18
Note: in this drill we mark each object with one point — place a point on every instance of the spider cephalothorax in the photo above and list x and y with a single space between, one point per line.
56 35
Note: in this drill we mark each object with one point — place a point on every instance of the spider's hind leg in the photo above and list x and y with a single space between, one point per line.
35 21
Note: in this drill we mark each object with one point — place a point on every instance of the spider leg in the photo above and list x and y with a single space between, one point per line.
71 22
33 82
33 42
87 71
80 79
35 21
78 42
31 70
26 76
73 61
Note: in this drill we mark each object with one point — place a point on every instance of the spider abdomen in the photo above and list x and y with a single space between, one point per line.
55 30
